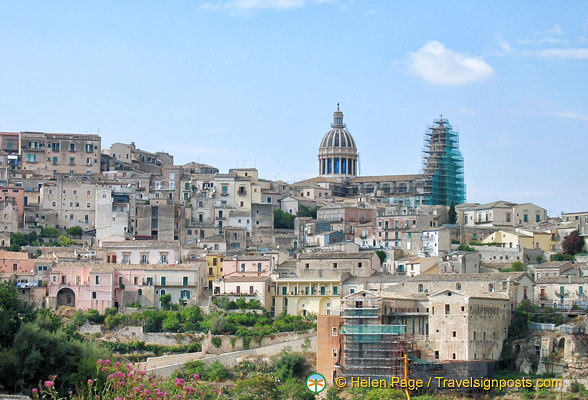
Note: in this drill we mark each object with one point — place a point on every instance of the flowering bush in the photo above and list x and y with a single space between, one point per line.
115 381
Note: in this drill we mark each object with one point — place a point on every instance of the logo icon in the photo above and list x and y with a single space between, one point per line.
316 383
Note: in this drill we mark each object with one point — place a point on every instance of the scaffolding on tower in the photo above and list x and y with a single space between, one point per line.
443 165
370 349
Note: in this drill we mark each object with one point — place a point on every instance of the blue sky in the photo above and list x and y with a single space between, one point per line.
255 82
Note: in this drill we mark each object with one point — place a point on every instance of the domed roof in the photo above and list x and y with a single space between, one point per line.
338 136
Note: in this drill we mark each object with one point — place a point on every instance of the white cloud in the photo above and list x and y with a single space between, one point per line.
505 46
554 30
579 53
250 5
437 64
573 115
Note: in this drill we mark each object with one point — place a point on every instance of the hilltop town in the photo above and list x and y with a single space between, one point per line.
368 272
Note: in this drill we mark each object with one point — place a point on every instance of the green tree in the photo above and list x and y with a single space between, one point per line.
49 232
18 238
465 247
518 266
14 247
219 372
452 214
258 387
290 366
294 390
170 323
382 255
12 312
65 241
304 211
283 220
165 301
75 231
573 243
78 319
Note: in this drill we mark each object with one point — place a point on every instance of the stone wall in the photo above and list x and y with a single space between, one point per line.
135 333
226 346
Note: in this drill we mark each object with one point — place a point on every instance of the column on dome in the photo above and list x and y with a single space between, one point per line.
355 167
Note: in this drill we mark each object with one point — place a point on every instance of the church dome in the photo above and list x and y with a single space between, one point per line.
338 136
337 151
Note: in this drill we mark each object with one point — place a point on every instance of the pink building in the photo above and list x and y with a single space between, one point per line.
82 286
256 265
11 262
16 193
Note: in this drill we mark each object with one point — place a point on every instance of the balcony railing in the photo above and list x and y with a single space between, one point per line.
374 330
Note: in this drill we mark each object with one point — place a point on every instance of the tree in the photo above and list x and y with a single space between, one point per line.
49 232
382 255
12 312
75 231
293 390
259 387
573 243
290 366
170 323
18 238
14 248
165 301
452 214
304 211
65 241
518 266
283 220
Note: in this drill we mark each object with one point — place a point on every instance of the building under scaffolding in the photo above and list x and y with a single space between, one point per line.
443 165
370 348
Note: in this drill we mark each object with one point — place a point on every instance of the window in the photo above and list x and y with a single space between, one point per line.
135 280
258 267
242 267
447 309
72 147
97 280
251 290
436 354
334 265
491 287
93 295
284 290
334 331
335 289
285 302
420 288
162 292
163 258
306 266
458 286
454 334
185 294
359 265
526 217
163 281
323 290
334 353
185 281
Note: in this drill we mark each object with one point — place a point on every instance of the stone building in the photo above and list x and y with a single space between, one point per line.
62 153
71 202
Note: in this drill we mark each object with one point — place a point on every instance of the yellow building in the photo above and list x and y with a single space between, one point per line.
524 239
214 268
301 296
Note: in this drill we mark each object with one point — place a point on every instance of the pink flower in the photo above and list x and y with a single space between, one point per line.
196 377
137 389
107 362
103 369
48 384
53 377
179 382
100 361
90 381
117 364
110 376
35 390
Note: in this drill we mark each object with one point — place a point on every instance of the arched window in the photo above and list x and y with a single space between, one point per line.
458 286
420 288
491 287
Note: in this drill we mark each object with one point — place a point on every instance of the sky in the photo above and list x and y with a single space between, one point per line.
254 83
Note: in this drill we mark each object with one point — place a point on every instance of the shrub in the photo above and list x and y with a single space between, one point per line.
170 323
216 342
94 316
